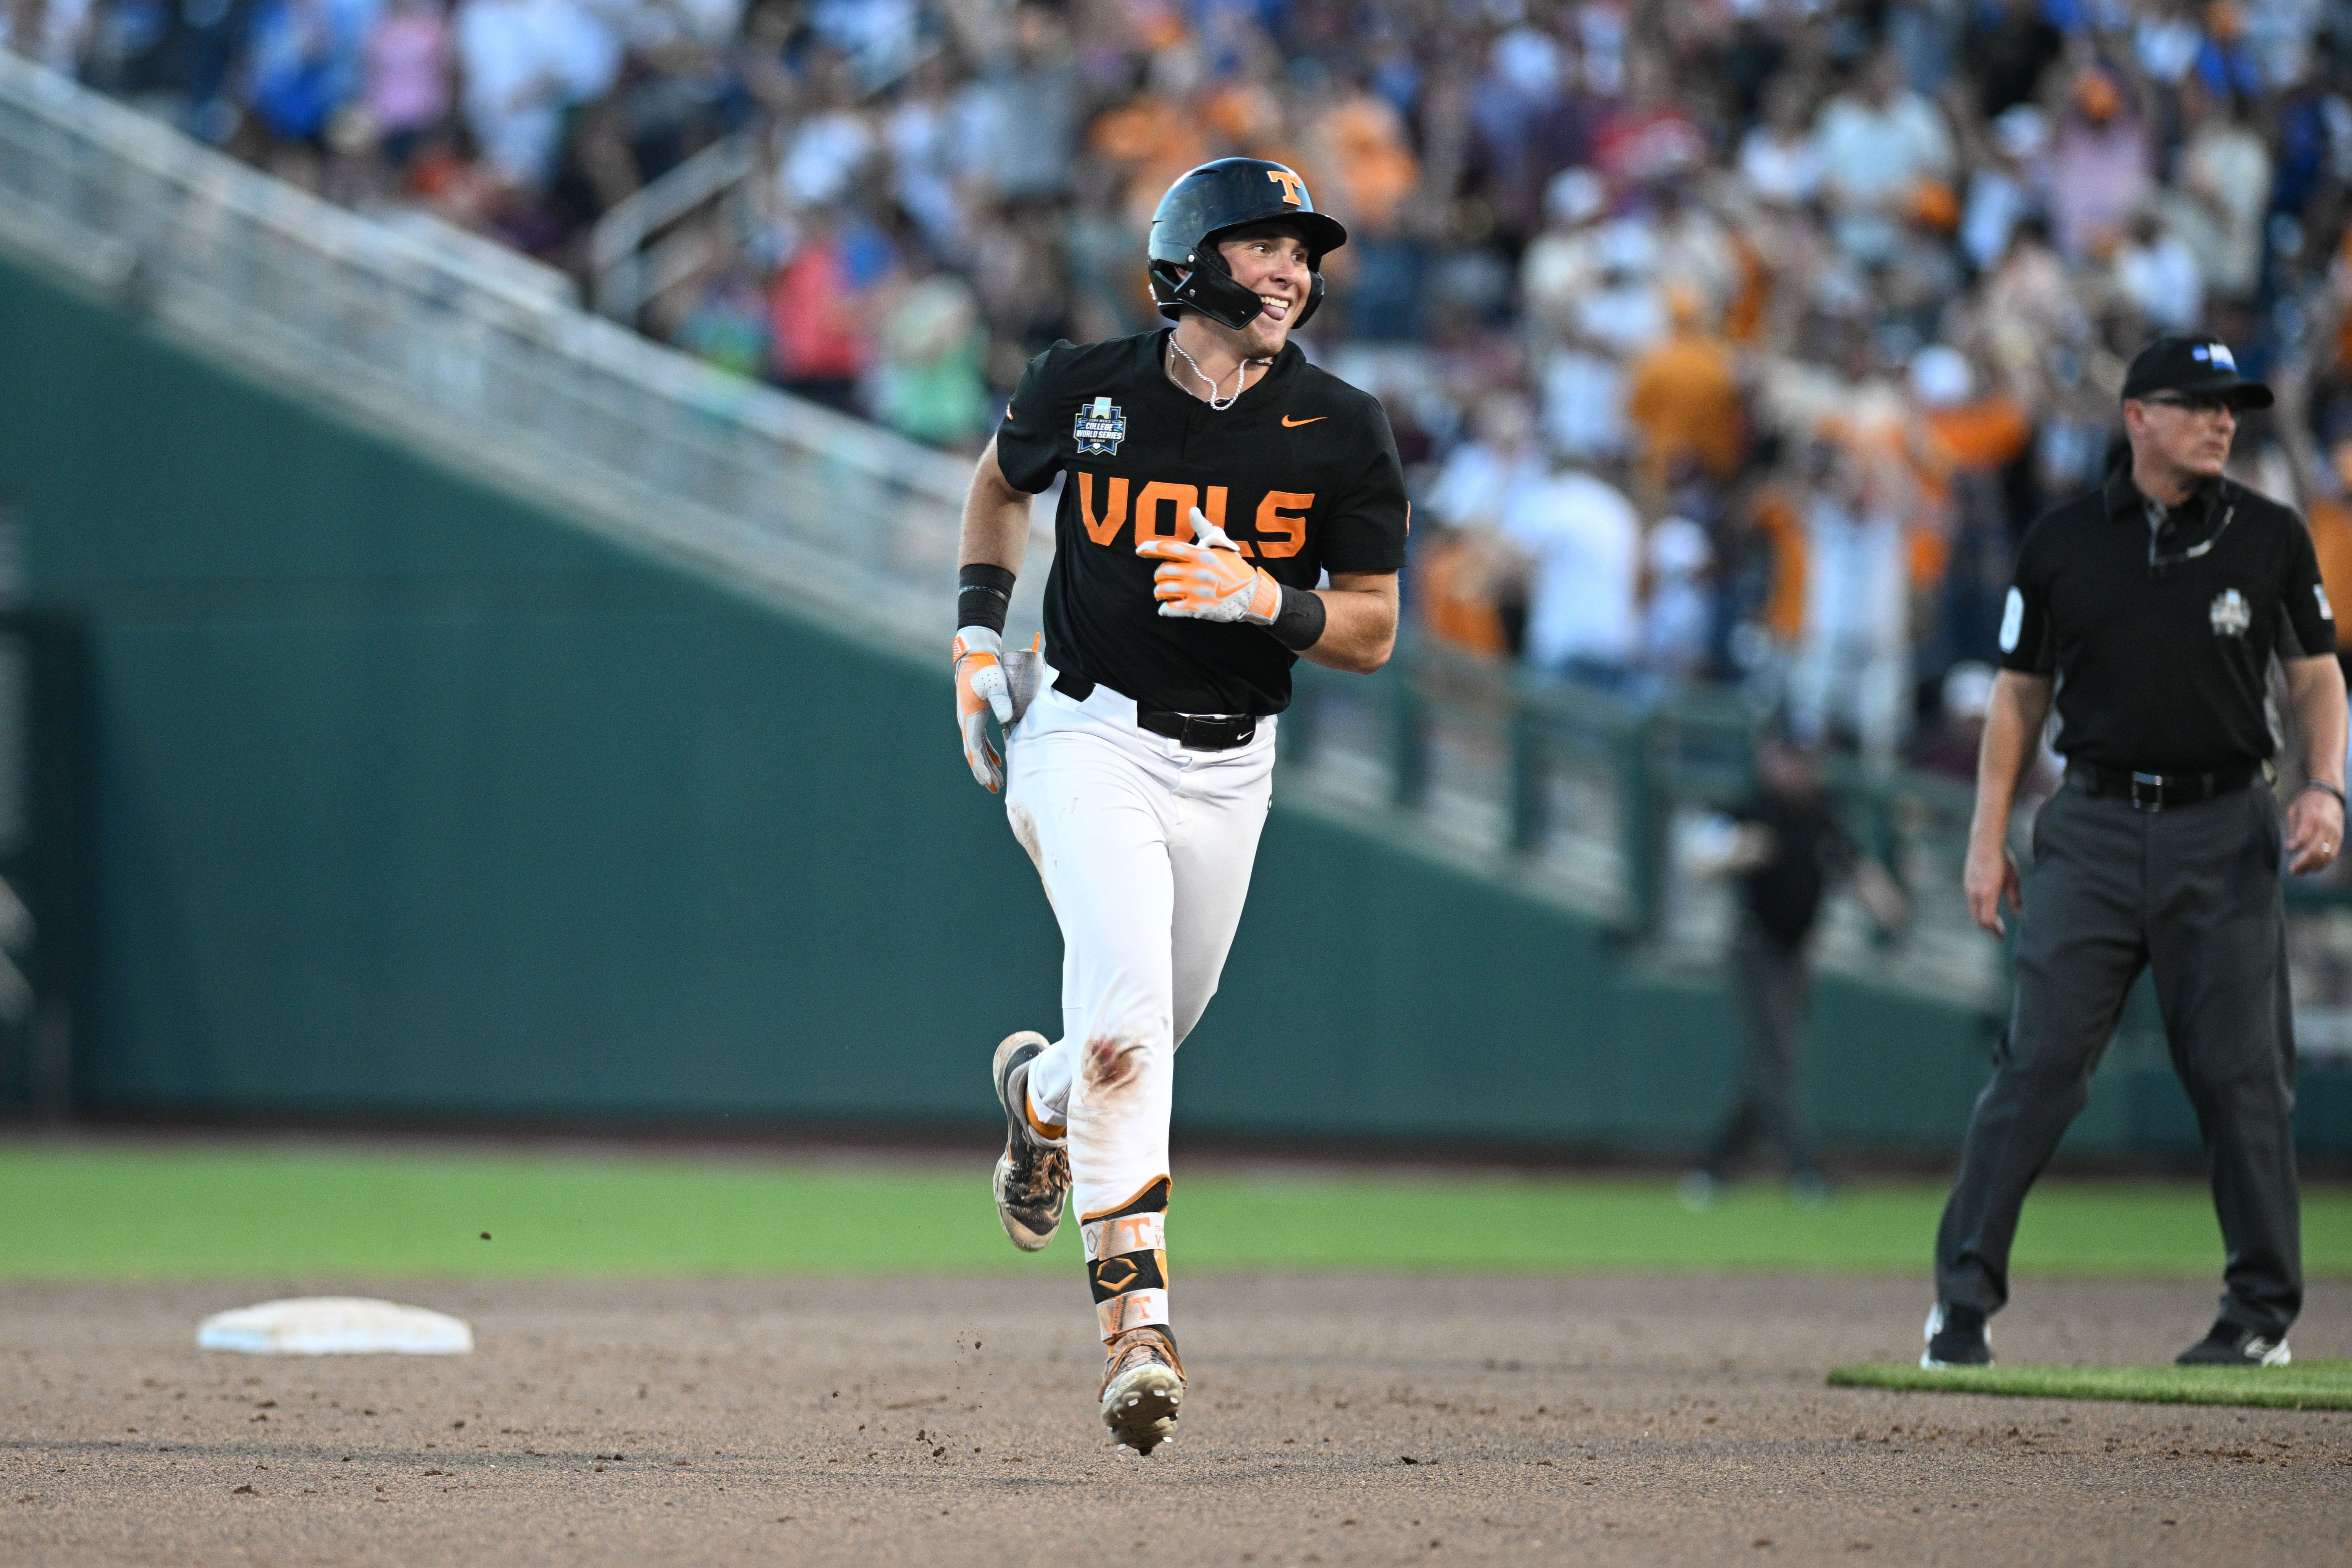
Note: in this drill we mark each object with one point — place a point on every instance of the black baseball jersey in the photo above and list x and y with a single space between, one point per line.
1301 471
2160 637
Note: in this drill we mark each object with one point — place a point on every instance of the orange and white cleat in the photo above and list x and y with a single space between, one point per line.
1143 1389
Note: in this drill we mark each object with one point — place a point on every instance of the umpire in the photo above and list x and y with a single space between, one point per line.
2153 608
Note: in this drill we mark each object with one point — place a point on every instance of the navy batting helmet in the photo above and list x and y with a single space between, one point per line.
1208 201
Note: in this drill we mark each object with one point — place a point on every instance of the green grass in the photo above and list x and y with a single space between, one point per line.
2306 1386
117 1212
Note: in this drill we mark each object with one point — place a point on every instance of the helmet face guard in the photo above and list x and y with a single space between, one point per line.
1205 284
1186 269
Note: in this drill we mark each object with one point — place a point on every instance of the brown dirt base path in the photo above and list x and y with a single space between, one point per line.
1332 1419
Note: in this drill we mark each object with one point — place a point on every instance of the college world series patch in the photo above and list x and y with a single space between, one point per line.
1101 429
2229 615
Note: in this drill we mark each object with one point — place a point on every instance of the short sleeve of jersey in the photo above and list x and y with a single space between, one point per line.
1028 443
2310 618
1366 531
2026 645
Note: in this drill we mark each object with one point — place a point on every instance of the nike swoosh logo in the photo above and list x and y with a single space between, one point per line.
1290 424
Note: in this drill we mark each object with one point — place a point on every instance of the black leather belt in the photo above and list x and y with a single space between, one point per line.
2155 792
1194 732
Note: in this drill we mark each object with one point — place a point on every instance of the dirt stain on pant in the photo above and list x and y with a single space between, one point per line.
1111 1066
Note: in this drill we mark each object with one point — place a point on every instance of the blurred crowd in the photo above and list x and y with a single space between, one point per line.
1725 341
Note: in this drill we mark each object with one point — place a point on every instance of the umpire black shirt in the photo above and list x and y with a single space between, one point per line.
1301 472
2161 635
1809 847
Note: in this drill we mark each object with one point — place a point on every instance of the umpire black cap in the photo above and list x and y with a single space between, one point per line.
2201 367
1206 202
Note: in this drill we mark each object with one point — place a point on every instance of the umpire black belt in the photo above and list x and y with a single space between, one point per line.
2155 792
1195 732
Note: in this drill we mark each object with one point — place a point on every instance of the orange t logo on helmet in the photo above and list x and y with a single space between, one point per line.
1288 182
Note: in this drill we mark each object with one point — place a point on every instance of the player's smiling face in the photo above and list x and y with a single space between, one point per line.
1272 263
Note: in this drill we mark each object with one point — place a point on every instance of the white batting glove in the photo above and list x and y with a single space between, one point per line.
1208 580
982 690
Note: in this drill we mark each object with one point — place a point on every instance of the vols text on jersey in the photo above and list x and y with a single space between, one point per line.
1162 509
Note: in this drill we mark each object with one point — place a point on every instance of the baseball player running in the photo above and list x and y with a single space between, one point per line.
1212 477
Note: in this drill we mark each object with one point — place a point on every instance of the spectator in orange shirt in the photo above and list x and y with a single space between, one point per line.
1152 139
2331 532
1970 436
1366 143
1684 398
1780 528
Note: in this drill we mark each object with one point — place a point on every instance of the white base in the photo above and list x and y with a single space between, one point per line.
334 1325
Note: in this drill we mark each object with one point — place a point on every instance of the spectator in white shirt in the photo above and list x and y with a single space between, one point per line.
2218 197
1473 489
2001 190
524 62
1677 619
2158 273
829 151
1876 143
1582 543
1778 159
1852 661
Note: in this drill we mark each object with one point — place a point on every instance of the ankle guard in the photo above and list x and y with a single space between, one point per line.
1127 1261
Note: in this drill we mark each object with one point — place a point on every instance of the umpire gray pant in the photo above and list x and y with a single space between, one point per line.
1770 982
2192 893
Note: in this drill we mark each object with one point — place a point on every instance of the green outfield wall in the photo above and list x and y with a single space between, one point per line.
410 799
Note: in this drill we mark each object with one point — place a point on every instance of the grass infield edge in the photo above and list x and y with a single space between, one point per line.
2308 1385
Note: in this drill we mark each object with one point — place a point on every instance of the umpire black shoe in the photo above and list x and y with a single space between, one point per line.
1033 1176
1956 1336
2229 1344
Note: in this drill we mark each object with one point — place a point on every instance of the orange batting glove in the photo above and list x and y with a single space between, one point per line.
1207 580
982 690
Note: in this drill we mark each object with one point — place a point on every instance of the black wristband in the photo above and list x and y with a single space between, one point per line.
1298 624
2322 784
982 594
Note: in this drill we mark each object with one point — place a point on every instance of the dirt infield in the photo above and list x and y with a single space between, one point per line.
1332 1419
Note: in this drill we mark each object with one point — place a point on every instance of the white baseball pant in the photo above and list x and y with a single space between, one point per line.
1145 850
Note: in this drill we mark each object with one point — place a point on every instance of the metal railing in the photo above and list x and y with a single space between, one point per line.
418 326
1598 801
636 251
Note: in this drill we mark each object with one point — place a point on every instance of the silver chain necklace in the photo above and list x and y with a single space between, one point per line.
1241 374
